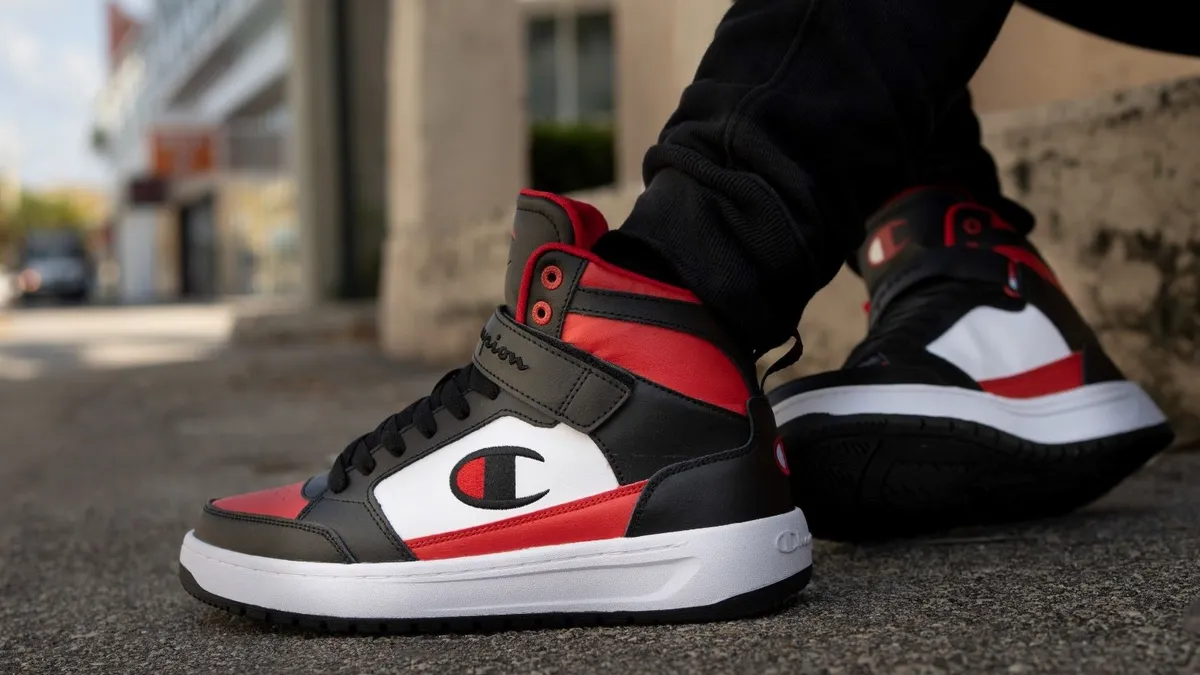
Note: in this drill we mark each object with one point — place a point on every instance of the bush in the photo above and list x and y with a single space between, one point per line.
568 157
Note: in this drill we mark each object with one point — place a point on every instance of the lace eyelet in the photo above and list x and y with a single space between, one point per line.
552 277
541 312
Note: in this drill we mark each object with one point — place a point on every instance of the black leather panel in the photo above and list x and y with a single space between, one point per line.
363 530
1054 303
559 297
930 266
660 427
270 537
1097 367
738 485
552 377
538 222
685 317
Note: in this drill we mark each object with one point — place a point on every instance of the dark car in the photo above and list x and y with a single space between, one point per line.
53 264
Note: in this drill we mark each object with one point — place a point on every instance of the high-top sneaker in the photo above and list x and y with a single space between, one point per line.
605 458
979 394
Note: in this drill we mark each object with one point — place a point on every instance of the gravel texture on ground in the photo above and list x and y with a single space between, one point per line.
104 471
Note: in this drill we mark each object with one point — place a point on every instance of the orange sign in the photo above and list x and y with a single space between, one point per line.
181 152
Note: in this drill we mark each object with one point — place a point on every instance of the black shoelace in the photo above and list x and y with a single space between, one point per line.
449 393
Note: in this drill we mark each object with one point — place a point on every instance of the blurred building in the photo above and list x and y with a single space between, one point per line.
194 118
245 138
249 140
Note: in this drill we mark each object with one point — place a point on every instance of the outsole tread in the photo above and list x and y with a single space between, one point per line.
905 475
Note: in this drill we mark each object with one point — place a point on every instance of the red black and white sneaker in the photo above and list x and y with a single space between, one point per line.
979 394
580 470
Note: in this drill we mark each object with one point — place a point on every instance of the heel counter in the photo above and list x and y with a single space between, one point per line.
733 486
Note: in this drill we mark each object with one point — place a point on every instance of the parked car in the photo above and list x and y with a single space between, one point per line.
53 264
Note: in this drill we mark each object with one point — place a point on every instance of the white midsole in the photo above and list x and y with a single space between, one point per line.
1089 412
690 568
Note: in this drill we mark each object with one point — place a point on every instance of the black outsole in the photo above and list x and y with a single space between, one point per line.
762 601
866 477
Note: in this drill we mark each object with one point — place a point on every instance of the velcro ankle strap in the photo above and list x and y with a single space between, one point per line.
570 386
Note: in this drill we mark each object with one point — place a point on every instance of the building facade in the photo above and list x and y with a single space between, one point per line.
194 123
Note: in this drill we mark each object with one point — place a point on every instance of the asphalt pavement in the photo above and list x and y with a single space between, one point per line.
103 469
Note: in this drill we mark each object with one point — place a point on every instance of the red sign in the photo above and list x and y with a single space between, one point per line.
181 152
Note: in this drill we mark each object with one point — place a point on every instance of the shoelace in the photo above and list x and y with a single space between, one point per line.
449 393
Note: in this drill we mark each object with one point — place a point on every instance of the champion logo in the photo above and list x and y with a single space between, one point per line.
781 457
884 246
487 478
486 341
789 541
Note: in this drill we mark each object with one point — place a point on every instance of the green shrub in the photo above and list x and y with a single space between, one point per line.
565 157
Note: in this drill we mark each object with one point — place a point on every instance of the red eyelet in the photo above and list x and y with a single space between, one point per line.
541 312
973 226
552 277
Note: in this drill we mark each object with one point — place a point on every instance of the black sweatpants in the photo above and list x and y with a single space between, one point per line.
803 118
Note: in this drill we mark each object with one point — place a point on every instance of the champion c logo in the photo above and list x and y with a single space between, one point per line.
884 246
789 541
487 478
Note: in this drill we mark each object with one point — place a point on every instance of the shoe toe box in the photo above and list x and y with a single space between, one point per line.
265 523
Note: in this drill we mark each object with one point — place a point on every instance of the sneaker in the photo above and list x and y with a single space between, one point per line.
979 394
605 458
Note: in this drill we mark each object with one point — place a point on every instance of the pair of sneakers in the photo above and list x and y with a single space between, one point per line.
608 457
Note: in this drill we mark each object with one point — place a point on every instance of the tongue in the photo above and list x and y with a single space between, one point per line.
544 218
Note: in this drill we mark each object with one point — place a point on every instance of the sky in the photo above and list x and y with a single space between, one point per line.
52 65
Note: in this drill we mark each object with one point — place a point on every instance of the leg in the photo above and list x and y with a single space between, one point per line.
805 115
956 156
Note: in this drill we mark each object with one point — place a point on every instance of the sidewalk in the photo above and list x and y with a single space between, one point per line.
104 470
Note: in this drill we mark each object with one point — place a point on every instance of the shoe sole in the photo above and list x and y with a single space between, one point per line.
874 476
718 573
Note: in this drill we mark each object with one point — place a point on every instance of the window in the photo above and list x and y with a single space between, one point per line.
594 39
543 70
570 66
